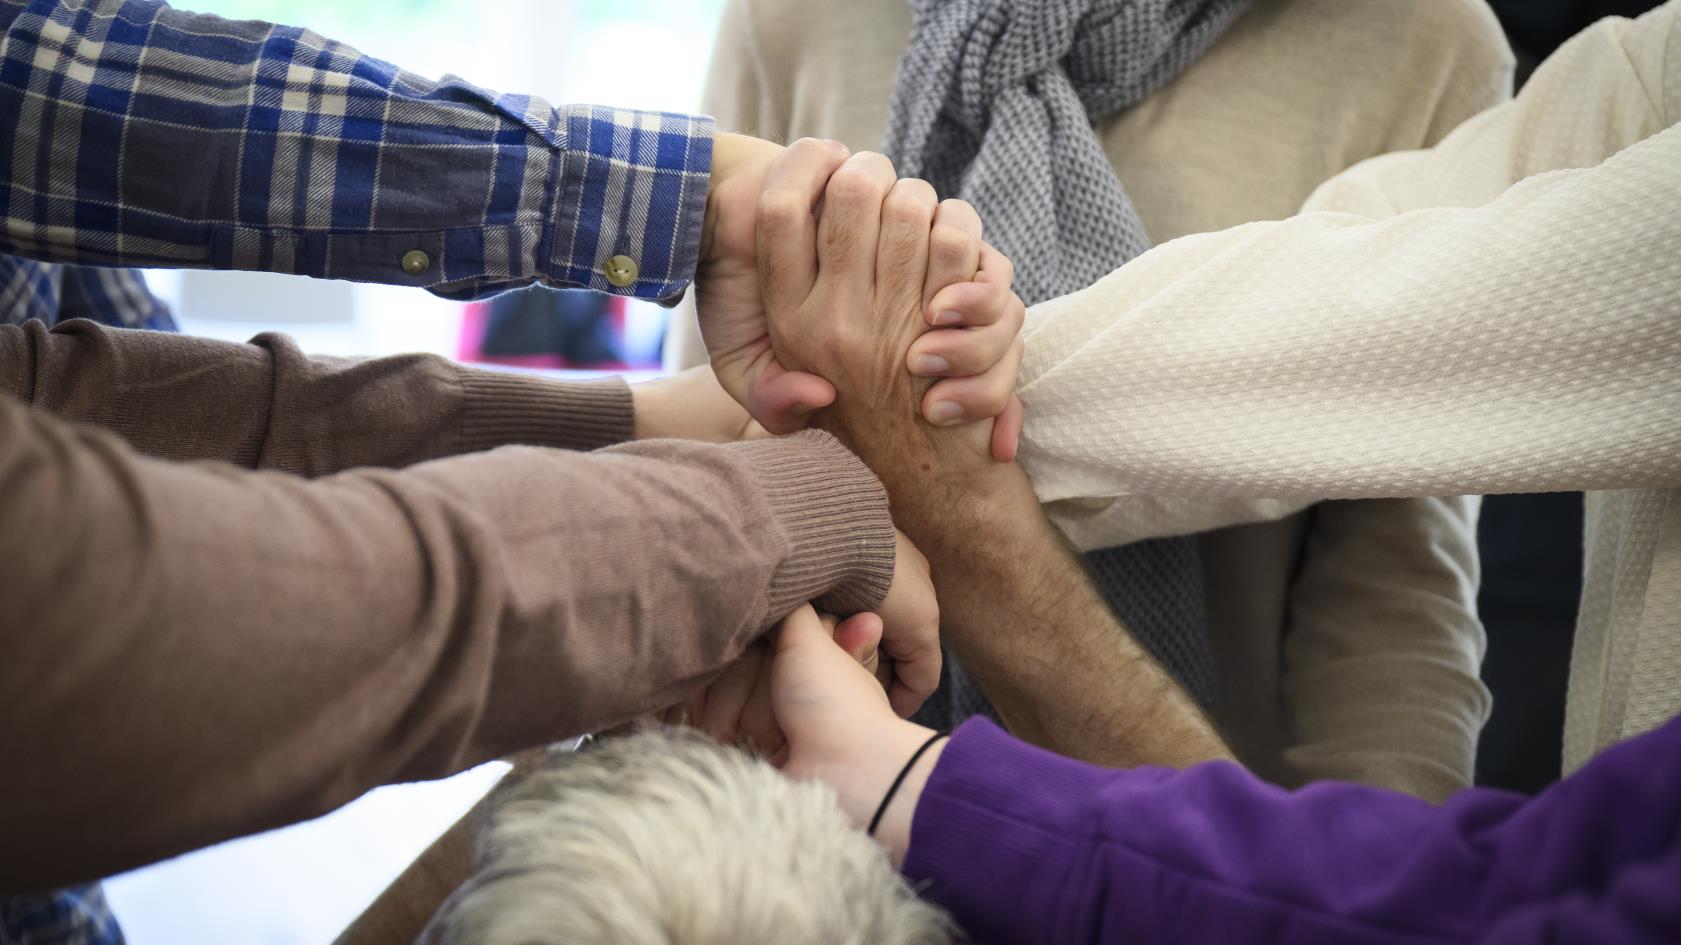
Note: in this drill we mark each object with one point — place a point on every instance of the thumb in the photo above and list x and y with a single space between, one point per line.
800 628
781 399
859 636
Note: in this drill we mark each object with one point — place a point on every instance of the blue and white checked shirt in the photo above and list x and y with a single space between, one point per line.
140 135
78 916
54 293
132 134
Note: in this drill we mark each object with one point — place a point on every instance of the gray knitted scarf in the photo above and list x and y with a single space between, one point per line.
994 102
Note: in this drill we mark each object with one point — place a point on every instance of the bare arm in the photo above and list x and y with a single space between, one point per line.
1013 601
1019 612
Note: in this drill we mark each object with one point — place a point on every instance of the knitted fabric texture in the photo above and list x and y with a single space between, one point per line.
994 102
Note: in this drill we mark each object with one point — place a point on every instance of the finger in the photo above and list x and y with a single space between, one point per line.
915 677
787 220
860 636
782 400
965 303
1006 431
954 246
801 628
862 640
851 220
728 695
956 400
907 214
964 352
972 304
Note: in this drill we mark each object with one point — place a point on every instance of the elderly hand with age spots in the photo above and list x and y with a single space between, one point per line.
851 294
759 245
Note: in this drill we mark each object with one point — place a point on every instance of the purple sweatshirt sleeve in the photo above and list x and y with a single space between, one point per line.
1022 845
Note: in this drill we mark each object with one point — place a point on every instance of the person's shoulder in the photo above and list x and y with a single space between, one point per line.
1436 28
1468 27
1466 17
786 31
1445 59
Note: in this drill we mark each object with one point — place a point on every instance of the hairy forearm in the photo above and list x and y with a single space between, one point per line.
1022 617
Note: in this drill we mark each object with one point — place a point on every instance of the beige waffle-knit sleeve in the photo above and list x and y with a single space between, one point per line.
1527 342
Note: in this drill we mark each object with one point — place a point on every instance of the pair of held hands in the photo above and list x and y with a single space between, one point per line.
821 272
832 293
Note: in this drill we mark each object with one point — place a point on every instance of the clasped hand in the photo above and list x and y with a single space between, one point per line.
832 292
826 280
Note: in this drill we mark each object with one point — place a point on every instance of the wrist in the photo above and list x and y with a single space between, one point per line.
945 498
731 155
648 410
898 810
862 775
724 149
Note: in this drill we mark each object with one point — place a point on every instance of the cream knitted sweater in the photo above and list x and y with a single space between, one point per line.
1499 313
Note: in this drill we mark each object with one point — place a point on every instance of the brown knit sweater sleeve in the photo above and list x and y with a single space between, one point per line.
194 651
267 405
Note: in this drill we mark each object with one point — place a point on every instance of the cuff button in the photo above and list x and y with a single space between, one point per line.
416 262
620 271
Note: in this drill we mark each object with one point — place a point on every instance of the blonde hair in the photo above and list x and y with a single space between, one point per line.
664 837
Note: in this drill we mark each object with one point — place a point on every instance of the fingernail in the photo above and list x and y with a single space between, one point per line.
839 146
944 411
947 318
931 364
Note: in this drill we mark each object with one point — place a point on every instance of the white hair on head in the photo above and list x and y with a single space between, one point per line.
665 837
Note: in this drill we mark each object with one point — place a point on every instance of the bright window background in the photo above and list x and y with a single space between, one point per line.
302 885
630 53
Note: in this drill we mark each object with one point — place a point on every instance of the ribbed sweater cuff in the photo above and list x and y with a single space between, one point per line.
500 409
834 512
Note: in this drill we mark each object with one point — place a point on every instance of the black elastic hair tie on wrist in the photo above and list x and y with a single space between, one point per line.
903 772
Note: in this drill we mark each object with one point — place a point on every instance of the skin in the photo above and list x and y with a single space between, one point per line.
762 193
970 330
839 727
708 404
1016 606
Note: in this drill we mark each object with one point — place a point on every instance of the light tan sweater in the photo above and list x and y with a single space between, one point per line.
1501 313
1345 636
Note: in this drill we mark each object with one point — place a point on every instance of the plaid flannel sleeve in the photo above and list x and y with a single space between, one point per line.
140 135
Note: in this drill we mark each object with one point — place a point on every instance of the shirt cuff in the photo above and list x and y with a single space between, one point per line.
834 512
631 200
504 409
